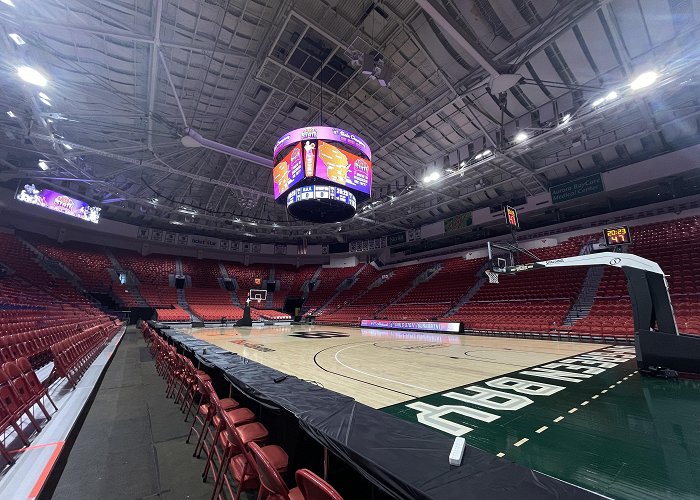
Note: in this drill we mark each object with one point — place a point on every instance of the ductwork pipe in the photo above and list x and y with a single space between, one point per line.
193 140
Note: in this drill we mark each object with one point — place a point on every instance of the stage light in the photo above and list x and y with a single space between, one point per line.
644 80
431 177
175 222
30 75
43 165
611 96
11 114
520 137
16 38
8 2
44 96
45 101
565 119
598 102
68 147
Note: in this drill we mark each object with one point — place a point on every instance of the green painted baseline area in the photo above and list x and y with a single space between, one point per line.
590 420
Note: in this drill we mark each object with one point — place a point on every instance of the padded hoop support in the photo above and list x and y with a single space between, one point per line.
651 308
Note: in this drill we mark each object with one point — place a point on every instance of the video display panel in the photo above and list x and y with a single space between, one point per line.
427 326
325 133
288 172
58 202
344 168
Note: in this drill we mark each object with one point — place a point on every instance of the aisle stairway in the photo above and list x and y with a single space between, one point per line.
584 302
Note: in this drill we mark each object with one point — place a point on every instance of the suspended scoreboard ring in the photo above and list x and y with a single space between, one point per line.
322 173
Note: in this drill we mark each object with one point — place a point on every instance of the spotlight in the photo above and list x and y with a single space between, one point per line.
611 96
520 137
644 80
565 118
431 177
11 114
68 147
30 75
8 2
43 165
598 102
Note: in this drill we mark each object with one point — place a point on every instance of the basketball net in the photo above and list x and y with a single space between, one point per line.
493 277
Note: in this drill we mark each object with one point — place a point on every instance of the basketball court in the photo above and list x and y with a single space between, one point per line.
576 411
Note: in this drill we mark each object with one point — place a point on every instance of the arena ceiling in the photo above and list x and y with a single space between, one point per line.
126 78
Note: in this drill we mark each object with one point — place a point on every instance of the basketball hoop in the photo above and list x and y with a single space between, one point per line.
256 295
493 277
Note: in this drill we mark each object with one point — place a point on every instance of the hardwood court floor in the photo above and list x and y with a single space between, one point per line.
578 412
381 368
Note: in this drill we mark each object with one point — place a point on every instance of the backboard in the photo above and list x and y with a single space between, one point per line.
257 295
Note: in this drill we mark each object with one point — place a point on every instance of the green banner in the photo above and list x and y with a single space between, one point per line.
576 189
458 222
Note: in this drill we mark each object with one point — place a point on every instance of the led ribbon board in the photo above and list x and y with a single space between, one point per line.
425 326
321 193
58 202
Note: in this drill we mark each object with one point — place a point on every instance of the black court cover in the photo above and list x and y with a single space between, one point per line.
403 459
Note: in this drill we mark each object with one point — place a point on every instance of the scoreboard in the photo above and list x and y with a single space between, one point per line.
617 235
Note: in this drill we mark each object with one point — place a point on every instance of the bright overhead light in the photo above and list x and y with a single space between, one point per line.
177 223
68 147
30 75
187 211
45 101
43 165
611 96
483 154
44 96
598 102
520 137
644 80
253 223
16 38
431 177
11 114
8 2
566 118
463 164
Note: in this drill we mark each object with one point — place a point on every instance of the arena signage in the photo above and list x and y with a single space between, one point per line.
576 189
425 326
460 410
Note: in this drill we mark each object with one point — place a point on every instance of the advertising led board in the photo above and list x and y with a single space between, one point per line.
58 202
288 172
426 326
344 168
324 133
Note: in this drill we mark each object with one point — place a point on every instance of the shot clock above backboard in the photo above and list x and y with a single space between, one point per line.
617 235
